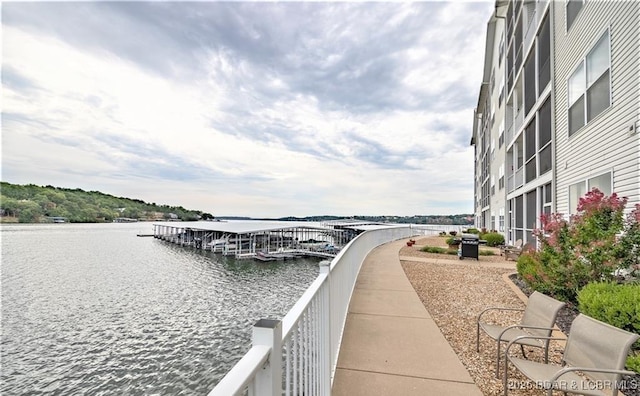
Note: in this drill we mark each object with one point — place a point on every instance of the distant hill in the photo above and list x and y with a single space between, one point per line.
36 204
457 219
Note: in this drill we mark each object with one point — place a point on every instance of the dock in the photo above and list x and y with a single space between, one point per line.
263 240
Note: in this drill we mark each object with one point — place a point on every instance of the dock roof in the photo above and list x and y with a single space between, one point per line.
244 226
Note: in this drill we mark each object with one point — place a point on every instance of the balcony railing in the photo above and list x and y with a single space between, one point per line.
298 355
531 28
519 179
515 180
518 121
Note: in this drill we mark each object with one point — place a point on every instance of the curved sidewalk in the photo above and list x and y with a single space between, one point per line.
391 345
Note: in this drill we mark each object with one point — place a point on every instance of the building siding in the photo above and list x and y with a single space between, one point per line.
604 143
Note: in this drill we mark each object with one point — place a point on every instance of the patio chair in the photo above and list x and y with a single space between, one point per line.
538 319
595 349
512 251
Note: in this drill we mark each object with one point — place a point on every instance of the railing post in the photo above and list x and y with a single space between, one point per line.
325 329
268 381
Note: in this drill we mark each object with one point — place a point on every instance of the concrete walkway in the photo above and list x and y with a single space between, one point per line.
391 345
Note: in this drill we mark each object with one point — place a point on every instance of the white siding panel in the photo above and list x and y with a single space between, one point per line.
604 143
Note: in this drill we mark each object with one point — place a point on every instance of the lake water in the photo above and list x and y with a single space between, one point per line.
93 309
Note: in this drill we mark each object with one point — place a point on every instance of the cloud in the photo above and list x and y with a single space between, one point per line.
304 108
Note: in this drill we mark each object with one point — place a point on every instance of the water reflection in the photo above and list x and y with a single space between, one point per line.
93 309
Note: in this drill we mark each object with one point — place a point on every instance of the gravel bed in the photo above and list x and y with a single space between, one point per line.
455 294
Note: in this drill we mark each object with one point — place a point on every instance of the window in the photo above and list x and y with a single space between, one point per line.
493 80
544 56
531 210
578 190
546 199
590 86
530 151
544 137
530 82
573 8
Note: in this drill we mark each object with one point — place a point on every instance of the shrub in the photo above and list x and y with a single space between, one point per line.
451 241
633 362
529 269
436 249
433 249
482 252
493 239
586 249
613 303
473 231
616 304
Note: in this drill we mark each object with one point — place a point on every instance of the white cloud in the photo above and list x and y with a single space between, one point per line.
251 136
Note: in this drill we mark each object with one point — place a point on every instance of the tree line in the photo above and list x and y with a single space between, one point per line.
36 204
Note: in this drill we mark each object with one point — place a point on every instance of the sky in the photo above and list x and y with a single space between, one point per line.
256 109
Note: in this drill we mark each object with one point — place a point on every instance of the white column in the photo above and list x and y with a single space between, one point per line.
268 381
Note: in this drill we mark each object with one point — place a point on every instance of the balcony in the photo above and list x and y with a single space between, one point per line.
519 179
519 121
530 33
515 180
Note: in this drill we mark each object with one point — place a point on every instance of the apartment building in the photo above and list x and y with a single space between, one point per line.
567 115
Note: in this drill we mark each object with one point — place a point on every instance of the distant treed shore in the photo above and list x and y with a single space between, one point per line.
37 204
44 204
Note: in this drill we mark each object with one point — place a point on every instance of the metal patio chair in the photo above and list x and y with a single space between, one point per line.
512 251
595 349
538 319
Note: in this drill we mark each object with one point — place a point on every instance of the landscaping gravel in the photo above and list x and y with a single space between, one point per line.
456 291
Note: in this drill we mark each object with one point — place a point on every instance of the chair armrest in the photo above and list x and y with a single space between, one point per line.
515 341
518 326
498 309
589 369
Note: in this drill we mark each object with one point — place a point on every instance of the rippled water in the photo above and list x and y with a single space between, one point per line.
93 309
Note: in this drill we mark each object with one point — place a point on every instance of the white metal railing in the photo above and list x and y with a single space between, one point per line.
519 120
519 181
298 355
532 25
509 134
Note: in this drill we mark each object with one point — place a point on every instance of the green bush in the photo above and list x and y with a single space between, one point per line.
436 249
493 238
482 252
588 248
613 303
452 241
633 362
529 268
616 304
473 231
433 249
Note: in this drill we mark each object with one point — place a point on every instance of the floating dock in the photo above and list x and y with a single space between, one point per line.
263 240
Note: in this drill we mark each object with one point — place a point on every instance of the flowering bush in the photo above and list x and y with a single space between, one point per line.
590 247
628 248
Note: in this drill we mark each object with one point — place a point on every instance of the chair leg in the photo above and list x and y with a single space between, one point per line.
506 373
522 349
546 352
498 361
477 337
